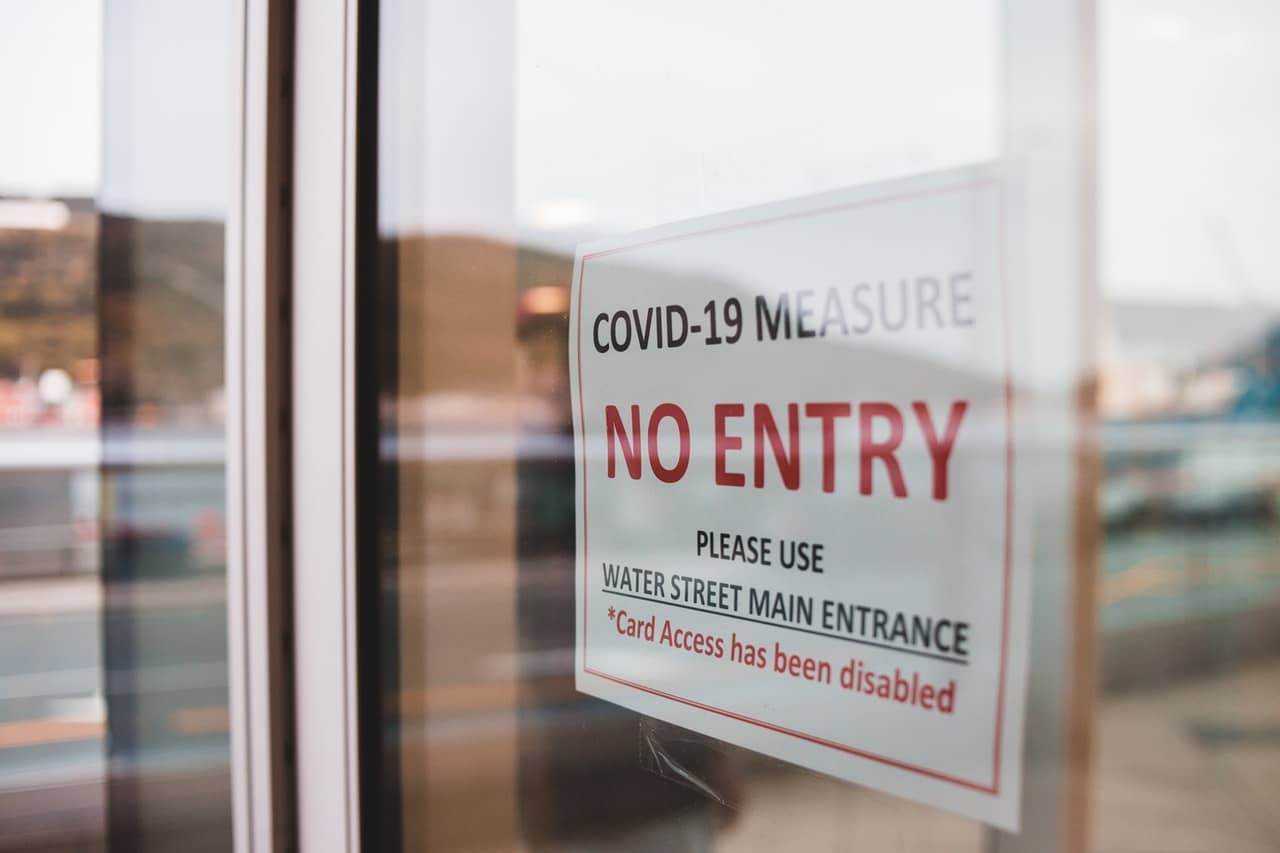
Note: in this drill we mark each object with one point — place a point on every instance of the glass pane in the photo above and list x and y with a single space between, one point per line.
113 194
509 133
1188 745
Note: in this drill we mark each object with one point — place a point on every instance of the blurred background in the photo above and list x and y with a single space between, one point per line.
113 194
114 179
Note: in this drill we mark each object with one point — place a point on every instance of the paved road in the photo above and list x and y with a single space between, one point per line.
168 660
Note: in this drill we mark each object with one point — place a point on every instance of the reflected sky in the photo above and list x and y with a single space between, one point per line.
168 87
628 116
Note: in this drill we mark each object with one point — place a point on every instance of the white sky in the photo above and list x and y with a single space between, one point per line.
670 109
1190 121
167 86
50 68
631 114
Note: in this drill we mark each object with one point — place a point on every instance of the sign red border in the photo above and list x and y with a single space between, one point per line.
992 788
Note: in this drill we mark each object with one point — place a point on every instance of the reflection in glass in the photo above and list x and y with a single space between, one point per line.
113 684
1189 346
571 125
569 130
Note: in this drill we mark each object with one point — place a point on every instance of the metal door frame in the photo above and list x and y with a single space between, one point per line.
323 454
259 612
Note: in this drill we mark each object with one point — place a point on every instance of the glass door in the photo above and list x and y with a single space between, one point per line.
485 144
115 183
507 135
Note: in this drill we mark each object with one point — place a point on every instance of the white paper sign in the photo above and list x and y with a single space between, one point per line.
797 526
